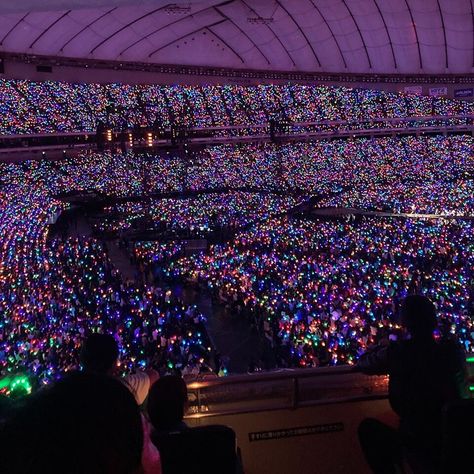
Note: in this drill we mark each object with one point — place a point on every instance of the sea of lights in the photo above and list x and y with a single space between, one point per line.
321 292
38 107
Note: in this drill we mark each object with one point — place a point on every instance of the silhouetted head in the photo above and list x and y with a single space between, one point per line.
167 399
418 315
83 424
99 354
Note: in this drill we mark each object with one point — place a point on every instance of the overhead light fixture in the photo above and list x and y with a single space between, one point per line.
175 9
259 20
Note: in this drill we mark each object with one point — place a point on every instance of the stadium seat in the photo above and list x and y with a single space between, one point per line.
199 450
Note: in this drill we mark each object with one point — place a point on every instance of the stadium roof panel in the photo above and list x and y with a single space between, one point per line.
348 36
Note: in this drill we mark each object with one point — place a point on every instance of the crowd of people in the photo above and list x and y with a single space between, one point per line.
199 215
395 173
56 291
322 292
95 420
278 272
108 352
50 106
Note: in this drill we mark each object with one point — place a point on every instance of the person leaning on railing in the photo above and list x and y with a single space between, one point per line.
424 375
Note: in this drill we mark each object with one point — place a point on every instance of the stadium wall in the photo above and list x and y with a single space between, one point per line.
321 438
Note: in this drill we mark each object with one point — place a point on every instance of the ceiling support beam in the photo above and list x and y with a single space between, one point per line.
360 33
332 32
86 27
301 31
388 34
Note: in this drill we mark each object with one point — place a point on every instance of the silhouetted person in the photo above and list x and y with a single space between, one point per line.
199 450
83 424
99 355
167 403
424 375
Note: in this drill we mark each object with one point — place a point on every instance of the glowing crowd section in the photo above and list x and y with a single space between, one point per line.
318 291
324 292
53 292
49 107
403 174
199 215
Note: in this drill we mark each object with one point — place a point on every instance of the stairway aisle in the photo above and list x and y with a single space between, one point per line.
232 338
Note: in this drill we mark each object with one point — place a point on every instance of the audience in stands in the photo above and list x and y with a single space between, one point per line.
53 299
321 292
424 375
72 107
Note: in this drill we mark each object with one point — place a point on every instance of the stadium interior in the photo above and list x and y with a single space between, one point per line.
255 215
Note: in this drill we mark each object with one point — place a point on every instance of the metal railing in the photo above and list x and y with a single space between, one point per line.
284 389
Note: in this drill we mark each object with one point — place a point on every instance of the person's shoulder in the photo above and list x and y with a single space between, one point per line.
139 384
136 378
399 353
451 349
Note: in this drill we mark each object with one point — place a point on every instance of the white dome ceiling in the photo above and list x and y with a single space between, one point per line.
350 36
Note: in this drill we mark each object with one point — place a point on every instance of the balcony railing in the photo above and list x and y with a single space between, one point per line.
284 389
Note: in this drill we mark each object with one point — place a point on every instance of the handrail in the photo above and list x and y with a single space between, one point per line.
284 389
282 374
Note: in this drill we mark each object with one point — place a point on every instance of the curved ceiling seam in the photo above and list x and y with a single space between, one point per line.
161 28
360 33
332 33
225 43
185 36
244 33
301 31
13 28
274 34
87 27
416 32
388 33
444 35
49 27
128 25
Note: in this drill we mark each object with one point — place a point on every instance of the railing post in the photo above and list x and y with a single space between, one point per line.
199 399
296 394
